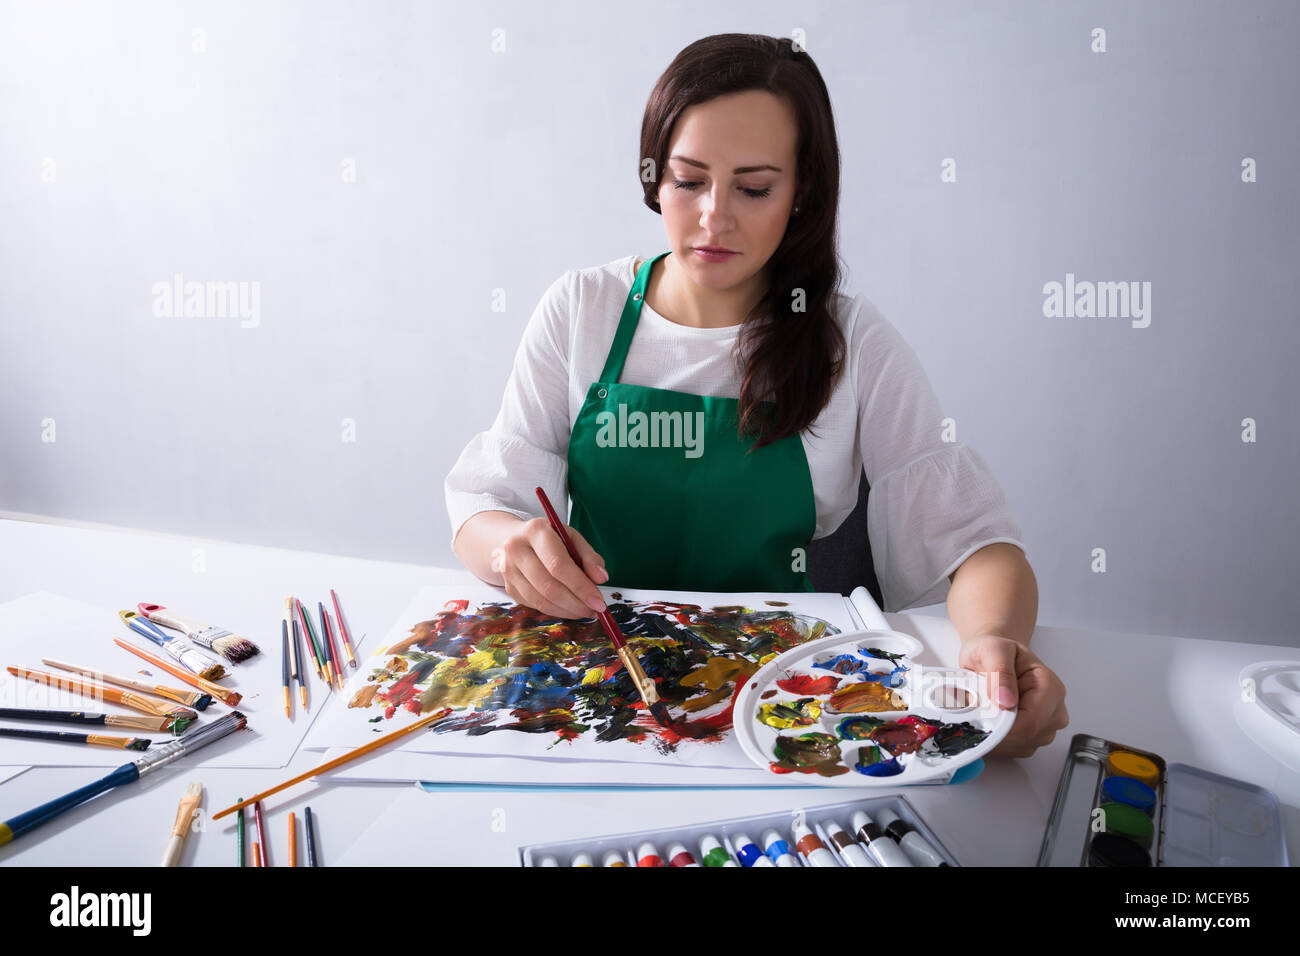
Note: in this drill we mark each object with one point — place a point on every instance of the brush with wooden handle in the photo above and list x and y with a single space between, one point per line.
192 698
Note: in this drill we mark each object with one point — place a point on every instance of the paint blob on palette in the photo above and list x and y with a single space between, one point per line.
859 710
505 667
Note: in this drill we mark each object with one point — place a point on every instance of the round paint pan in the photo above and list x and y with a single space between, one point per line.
939 720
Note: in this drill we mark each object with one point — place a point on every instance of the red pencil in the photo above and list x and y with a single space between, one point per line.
344 631
261 834
644 685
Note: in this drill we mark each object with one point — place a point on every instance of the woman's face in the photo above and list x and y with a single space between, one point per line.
729 183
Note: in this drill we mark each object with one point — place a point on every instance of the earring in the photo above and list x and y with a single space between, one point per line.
796 208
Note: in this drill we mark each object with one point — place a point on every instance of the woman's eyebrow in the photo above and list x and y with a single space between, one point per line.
738 169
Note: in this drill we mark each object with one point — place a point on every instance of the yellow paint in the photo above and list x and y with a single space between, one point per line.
717 672
1124 763
5 834
767 715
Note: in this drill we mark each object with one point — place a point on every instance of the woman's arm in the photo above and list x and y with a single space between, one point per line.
994 591
993 603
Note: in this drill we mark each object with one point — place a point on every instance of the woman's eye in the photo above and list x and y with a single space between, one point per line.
752 193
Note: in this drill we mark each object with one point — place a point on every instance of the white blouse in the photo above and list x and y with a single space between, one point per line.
932 503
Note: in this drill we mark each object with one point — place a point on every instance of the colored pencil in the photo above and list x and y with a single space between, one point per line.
344 630
361 751
257 856
226 696
293 841
130 721
335 656
191 658
143 765
230 646
326 646
311 839
261 834
111 694
195 699
184 816
284 663
302 664
317 656
644 685
239 838
67 737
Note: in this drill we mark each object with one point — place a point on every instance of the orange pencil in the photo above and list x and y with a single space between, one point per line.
293 841
226 696
257 856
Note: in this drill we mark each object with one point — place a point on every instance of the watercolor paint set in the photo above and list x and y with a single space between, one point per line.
858 710
1120 806
877 831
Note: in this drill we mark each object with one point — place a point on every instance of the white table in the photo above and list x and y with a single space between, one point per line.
1168 695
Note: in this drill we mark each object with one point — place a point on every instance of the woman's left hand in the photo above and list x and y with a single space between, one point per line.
1017 678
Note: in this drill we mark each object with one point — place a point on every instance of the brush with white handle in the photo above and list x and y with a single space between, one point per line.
230 646
184 815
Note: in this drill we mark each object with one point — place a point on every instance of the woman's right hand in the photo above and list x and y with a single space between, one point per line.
539 573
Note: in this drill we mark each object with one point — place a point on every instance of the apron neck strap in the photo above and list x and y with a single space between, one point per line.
613 370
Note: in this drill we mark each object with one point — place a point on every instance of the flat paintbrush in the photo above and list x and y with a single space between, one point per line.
193 698
68 737
230 646
127 773
126 698
125 721
223 694
191 658
643 684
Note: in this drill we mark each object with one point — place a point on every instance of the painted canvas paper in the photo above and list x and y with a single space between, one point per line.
522 683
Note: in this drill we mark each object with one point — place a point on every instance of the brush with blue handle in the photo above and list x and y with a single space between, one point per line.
190 658
127 773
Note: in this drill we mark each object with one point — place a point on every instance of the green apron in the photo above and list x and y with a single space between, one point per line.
671 497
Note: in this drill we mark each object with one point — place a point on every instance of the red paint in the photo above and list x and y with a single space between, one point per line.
806 686
681 859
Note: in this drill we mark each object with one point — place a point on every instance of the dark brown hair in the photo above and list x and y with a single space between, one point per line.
794 360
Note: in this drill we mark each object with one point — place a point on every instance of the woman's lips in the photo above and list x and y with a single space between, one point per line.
713 255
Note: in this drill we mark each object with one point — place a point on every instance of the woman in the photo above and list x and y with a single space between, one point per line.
711 409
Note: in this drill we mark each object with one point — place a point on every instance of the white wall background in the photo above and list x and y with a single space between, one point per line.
142 140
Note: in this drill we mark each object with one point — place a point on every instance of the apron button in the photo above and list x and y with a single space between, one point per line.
637 297
601 394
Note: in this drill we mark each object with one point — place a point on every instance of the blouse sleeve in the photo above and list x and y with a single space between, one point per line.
527 445
932 503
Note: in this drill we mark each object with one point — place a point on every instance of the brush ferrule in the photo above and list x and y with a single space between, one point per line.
644 685
175 749
196 661
207 635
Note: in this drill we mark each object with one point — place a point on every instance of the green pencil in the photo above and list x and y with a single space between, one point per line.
239 836
316 652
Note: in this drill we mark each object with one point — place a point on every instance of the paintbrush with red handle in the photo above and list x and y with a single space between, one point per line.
644 685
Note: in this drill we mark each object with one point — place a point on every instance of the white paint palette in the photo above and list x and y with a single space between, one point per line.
857 710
